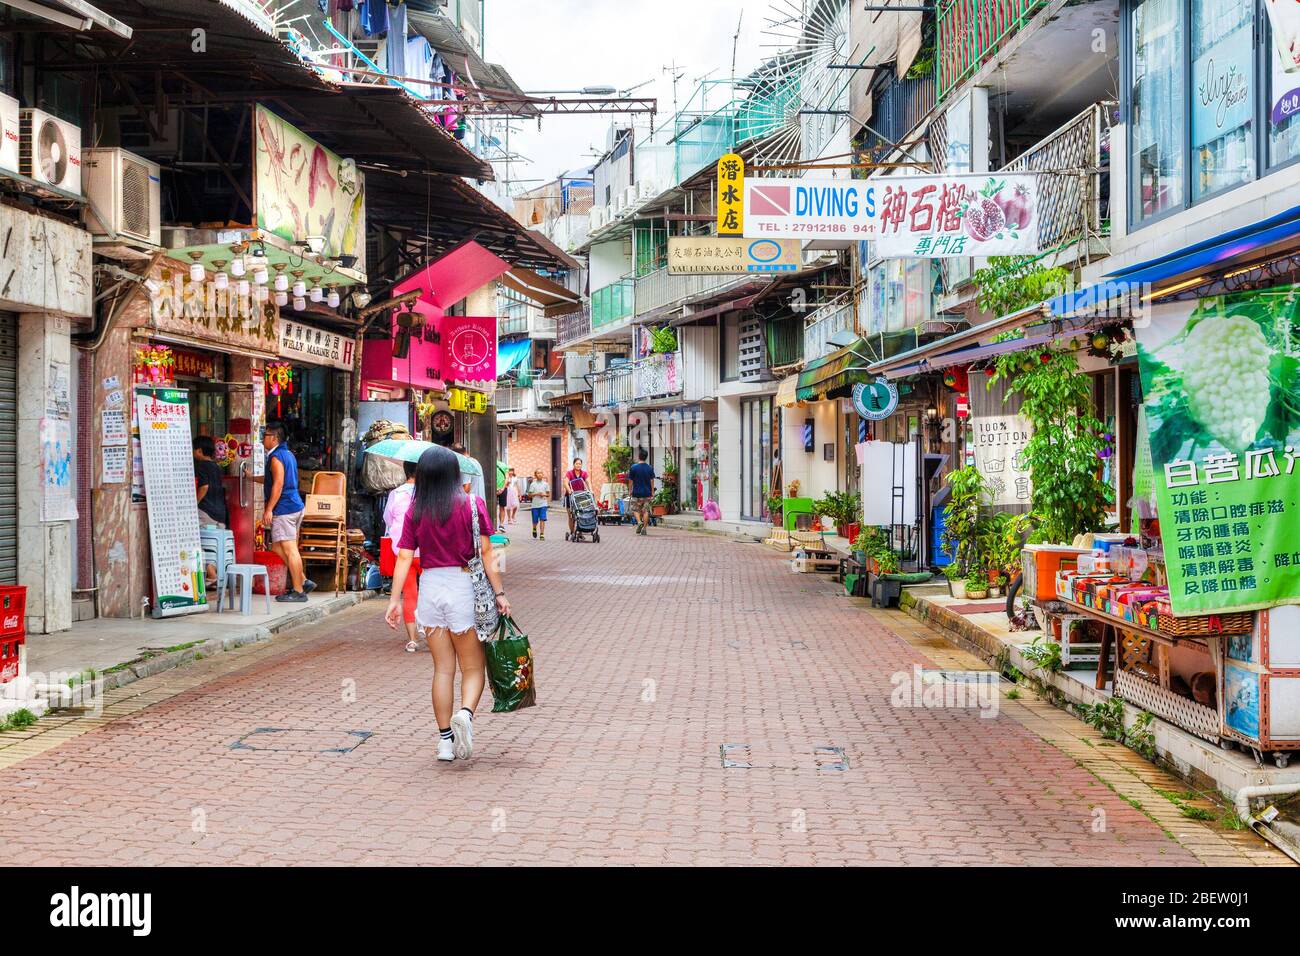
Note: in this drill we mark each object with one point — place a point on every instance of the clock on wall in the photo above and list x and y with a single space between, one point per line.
443 422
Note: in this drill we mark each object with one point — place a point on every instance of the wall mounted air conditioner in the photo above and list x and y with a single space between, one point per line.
597 218
10 137
630 195
123 190
49 150
646 189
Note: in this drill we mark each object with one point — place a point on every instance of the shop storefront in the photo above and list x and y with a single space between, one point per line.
309 391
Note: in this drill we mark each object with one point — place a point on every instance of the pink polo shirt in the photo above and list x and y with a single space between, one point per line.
449 545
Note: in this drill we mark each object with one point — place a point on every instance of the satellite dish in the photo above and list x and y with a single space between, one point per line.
52 152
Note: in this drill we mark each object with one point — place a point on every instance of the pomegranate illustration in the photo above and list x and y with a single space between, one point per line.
1017 208
983 219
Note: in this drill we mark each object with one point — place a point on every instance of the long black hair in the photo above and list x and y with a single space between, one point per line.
438 489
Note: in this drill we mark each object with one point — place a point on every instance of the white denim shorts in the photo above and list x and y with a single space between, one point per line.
446 599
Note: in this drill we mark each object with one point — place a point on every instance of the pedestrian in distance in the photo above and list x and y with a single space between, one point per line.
440 526
512 497
396 509
539 500
283 511
575 479
643 489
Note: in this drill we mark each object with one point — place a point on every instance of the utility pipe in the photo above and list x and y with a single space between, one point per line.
1242 806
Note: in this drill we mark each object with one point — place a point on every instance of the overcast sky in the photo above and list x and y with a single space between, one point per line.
569 44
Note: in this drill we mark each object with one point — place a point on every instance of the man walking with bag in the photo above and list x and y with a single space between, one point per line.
282 516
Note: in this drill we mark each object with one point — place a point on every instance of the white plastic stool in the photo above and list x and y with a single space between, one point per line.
244 575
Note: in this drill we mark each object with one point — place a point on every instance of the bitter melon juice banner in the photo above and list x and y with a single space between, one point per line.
1221 384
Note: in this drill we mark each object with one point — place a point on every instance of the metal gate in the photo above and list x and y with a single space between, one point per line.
8 448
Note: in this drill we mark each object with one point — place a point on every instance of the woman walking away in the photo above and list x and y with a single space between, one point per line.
396 509
512 497
440 525
539 499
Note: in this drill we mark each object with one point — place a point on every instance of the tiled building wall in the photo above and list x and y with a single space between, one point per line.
529 448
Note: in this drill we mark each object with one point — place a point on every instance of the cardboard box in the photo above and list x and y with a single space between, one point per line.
328 507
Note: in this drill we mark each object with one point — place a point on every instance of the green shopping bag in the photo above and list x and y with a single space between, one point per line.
510 668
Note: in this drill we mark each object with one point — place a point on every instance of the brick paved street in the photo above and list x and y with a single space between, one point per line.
652 654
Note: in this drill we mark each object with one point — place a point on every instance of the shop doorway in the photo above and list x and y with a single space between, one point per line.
755 457
8 448
557 465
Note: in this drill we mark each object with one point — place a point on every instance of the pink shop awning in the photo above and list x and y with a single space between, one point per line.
445 281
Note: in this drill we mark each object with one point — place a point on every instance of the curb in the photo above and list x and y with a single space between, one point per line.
132 671
1201 763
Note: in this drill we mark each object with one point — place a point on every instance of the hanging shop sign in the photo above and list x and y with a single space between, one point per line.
258 423
937 217
471 347
1000 442
731 195
194 364
301 190
875 401
221 316
1221 386
167 460
316 346
464 400
1222 99
810 209
731 255
1285 57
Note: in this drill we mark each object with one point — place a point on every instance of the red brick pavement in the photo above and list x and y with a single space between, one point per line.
739 650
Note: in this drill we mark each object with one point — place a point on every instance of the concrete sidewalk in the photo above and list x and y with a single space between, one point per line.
124 650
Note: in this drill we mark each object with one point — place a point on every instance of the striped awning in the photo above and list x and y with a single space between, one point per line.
832 372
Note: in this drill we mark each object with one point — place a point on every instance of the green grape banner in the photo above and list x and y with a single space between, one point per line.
1221 392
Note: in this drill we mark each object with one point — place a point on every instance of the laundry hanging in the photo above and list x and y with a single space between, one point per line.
374 17
395 47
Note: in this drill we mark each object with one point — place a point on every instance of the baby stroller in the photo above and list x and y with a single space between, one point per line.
585 517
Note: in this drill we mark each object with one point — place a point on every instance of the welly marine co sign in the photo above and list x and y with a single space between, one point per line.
316 346
875 401
730 255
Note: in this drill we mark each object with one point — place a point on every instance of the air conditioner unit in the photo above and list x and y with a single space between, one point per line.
544 398
597 217
123 190
10 124
620 204
646 189
630 195
49 150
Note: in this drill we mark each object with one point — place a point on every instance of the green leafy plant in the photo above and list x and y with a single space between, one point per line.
1043 654
889 563
1063 454
1010 283
842 507
663 340
19 720
775 505
977 585
618 459
966 493
952 571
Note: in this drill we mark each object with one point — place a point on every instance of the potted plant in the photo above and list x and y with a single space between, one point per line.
618 459
661 502
887 563
961 526
977 586
956 581
999 586
775 507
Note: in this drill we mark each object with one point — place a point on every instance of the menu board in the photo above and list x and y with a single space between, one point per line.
167 455
259 421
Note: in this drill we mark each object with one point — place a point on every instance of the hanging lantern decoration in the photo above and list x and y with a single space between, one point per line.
279 382
155 365
956 378
425 407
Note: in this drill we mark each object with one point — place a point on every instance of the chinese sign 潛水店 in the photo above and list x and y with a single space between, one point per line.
731 195
1221 387
316 346
730 255
926 217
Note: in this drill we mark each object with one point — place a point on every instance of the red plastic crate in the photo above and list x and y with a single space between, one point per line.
9 657
13 610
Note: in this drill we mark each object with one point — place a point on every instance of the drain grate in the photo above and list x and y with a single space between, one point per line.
799 645
960 677
762 757
291 740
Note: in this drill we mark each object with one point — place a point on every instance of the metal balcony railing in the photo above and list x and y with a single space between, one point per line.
658 289
969 31
512 324
575 325
511 399
1074 193
825 322
897 109
612 387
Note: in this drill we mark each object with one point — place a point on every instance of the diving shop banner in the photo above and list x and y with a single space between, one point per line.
925 217
1221 392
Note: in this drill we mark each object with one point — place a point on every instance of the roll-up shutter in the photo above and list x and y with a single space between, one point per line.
8 448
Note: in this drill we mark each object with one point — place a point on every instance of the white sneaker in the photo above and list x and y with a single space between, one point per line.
462 731
446 749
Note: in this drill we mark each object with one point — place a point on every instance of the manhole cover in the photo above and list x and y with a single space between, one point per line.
760 756
830 758
960 677
288 740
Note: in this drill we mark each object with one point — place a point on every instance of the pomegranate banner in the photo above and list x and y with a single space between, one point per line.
937 217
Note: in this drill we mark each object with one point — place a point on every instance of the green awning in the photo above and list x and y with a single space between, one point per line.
830 373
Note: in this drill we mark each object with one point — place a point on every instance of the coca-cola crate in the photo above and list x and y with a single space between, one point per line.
13 611
9 650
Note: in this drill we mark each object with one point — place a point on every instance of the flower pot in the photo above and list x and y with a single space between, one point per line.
659 510
851 531
995 591
976 595
957 589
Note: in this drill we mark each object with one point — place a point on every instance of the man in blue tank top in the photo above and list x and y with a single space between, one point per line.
282 517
